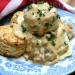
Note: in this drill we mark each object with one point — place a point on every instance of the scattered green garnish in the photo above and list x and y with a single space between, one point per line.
40 13
32 13
51 38
65 43
23 28
37 43
43 14
11 26
38 18
47 25
58 16
50 7
52 42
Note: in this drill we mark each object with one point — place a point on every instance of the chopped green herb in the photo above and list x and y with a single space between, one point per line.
40 13
51 37
38 18
23 28
53 43
11 26
65 43
58 16
48 38
47 25
50 7
43 14
51 40
50 25
32 13
37 43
